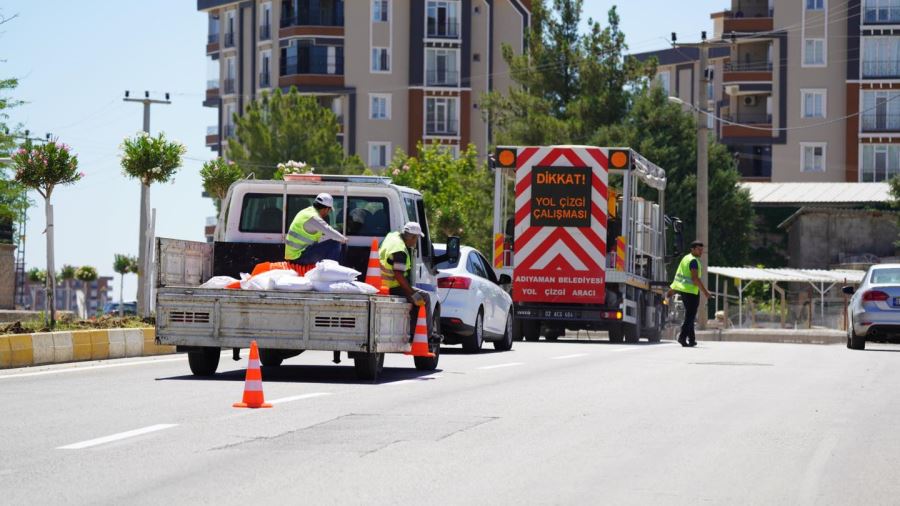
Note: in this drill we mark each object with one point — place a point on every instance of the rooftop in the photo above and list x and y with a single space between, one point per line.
805 194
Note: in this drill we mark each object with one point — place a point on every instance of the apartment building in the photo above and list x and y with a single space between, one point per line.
803 90
96 295
395 72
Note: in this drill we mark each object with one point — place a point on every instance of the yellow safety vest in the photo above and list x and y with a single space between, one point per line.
297 238
683 281
393 243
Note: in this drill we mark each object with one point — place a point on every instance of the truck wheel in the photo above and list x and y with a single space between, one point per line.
532 330
429 363
368 365
204 361
517 330
553 334
632 334
270 358
506 343
616 333
473 343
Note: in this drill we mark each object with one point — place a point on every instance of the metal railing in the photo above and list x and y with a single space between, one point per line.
264 80
446 127
758 66
265 32
212 130
229 39
212 38
212 84
325 19
315 65
750 119
875 15
881 122
228 85
881 68
753 12
447 30
442 77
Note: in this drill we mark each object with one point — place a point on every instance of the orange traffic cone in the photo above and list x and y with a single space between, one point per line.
253 391
420 338
373 273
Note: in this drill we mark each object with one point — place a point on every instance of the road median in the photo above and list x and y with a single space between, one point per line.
23 350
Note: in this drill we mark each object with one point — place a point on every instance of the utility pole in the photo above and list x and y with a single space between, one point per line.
143 306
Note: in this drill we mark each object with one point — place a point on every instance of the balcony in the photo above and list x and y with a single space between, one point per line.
265 32
754 167
750 20
877 13
212 38
229 39
881 122
881 69
438 29
759 71
212 135
446 127
756 125
324 15
316 63
442 78
265 80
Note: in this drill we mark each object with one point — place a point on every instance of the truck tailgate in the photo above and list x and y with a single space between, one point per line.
282 320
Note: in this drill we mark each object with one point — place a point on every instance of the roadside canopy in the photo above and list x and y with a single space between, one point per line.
820 280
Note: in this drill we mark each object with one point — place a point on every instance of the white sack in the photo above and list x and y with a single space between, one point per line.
265 280
329 270
293 284
218 282
345 287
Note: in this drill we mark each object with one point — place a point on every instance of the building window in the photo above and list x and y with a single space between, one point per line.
663 78
443 19
229 75
815 5
381 59
302 56
265 68
229 29
881 111
882 11
813 52
881 57
228 121
441 116
265 21
880 162
812 156
379 153
312 12
380 11
813 103
441 67
379 106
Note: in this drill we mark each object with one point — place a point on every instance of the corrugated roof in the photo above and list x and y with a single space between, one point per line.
789 275
818 193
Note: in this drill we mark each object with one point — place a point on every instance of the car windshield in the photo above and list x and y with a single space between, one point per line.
444 265
886 276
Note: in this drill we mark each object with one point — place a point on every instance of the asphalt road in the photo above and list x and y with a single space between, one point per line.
547 423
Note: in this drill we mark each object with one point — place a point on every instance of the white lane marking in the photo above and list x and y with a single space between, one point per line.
415 380
576 355
299 397
76 367
118 437
498 366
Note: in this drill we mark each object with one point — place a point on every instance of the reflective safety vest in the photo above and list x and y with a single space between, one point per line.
393 243
683 281
297 238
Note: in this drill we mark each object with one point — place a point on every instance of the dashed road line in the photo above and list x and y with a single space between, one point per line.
498 366
298 397
574 355
414 380
118 437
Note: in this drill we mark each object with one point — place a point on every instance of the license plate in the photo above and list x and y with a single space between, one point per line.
897 301
562 314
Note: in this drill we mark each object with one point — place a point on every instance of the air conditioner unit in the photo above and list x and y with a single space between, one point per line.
750 100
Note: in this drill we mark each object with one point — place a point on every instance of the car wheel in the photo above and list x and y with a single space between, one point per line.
506 343
856 342
473 343
204 361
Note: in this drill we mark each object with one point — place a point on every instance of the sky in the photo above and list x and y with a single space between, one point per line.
75 60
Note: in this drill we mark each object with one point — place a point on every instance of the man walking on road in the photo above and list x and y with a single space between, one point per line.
688 284
302 244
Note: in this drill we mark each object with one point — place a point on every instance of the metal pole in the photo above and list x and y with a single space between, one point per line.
50 298
703 176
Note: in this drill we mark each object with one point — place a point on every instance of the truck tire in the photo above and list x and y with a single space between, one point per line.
429 363
270 358
473 343
506 343
632 333
616 333
518 332
368 365
532 330
204 361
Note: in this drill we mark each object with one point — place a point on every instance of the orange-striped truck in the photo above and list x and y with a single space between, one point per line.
584 242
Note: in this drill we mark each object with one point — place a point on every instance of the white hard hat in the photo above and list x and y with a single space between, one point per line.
325 200
413 228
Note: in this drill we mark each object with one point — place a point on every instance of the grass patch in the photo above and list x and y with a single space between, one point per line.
67 323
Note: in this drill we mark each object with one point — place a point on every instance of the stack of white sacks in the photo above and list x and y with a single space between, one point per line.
328 276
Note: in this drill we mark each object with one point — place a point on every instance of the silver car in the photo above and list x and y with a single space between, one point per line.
874 310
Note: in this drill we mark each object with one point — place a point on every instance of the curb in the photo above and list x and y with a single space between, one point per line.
774 336
23 350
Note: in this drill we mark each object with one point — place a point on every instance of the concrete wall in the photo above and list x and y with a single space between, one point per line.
7 276
817 238
23 350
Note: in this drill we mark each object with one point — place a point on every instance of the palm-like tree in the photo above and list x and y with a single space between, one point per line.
66 275
124 264
87 275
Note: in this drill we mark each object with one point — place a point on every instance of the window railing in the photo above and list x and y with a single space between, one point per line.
445 127
759 66
212 130
881 68
750 118
229 39
265 32
212 84
875 14
324 19
316 64
881 122
442 77
264 80
212 38
228 85
446 30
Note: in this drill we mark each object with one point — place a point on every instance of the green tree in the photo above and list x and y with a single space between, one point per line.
218 175
149 160
66 275
124 264
42 168
14 201
87 275
278 127
665 134
457 192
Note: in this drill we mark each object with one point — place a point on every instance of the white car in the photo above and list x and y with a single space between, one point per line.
474 306
874 308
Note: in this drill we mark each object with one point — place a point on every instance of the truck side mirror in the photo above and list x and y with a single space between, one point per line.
452 249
